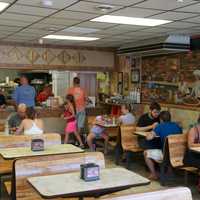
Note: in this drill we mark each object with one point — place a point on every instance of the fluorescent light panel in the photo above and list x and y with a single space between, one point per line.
64 37
3 5
130 20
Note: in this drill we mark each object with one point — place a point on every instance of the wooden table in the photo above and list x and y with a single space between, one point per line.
141 133
108 125
70 184
18 152
195 149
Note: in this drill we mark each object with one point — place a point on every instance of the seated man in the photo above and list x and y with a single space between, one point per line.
97 131
127 118
165 128
148 121
15 119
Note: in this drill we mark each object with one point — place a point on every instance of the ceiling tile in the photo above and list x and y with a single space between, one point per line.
74 15
57 4
9 28
178 25
164 4
117 2
30 10
194 20
35 31
136 12
13 23
174 15
193 8
89 7
59 21
99 25
19 17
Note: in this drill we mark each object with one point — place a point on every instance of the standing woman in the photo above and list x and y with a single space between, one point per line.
191 157
70 116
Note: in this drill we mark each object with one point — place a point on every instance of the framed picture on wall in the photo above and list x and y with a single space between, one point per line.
120 88
135 76
120 77
126 81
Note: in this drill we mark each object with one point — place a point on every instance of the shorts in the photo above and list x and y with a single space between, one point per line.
98 131
71 127
80 116
155 154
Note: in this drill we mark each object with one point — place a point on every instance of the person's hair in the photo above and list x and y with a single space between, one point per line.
165 116
76 81
71 99
31 113
155 106
22 106
127 107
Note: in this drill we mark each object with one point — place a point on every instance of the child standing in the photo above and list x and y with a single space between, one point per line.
70 116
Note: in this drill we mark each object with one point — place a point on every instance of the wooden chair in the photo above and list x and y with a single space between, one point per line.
177 145
129 142
12 141
174 151
47 165
178 193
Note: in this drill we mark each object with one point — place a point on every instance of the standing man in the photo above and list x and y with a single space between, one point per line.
80 100
24 93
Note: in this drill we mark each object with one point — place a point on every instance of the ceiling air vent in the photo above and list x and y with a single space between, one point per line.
160 45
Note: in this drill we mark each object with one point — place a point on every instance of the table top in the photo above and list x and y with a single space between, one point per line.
196 149
12 153
141 133
70 184
108 125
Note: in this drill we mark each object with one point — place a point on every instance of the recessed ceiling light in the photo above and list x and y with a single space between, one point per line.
104 8
47 3
3 6
65 37
130 20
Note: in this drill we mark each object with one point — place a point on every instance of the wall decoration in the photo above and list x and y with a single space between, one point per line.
120 88
135 76
120 77
126 81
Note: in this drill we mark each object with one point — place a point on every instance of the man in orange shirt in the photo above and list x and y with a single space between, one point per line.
80 100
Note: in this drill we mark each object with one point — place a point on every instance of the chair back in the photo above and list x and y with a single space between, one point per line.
48 165
12 141
54 124
178 193
177 145
90 121
129 141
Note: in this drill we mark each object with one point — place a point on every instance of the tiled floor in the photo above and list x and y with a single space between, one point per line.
138 166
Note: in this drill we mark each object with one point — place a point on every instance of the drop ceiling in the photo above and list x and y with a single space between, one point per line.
28 20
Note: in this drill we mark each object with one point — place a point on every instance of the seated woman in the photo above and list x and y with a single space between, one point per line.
165 128
97 131
31 125
127 118
191 158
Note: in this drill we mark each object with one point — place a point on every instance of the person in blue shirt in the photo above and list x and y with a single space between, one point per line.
24 93
165 128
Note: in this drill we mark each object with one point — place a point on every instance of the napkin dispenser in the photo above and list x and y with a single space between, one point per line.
90 172
37 145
